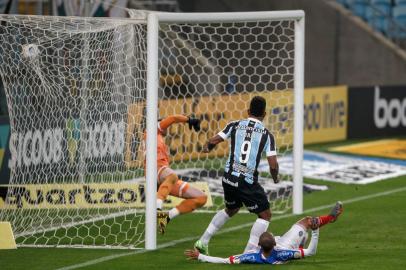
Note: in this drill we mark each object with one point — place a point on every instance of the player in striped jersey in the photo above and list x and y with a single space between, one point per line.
248 140
279 249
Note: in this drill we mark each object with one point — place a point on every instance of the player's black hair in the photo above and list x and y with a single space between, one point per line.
257 106
266 242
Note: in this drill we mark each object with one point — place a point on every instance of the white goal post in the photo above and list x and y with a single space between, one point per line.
154 19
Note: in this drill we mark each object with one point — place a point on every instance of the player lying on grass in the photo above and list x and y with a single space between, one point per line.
279 249
168 181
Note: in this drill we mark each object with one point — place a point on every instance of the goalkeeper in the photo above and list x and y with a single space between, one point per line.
168 181
279 249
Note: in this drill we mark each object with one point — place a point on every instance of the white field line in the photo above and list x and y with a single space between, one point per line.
231 229
96 219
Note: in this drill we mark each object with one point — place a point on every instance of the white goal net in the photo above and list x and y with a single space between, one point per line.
76 91
70 83
211 70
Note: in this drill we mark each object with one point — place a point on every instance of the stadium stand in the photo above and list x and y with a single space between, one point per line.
400 2
385 16
399 16
358 7
378 15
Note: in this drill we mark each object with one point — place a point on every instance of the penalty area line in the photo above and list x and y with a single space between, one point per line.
227 230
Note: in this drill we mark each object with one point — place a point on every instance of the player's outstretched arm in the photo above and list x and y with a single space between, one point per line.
178 118
221 136
195 255
211 143
312 248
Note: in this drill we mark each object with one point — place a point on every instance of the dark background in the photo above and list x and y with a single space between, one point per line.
361 102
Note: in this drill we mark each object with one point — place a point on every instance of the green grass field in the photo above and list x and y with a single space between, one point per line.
369 235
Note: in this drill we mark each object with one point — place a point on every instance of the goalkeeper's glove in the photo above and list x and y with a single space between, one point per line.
194 123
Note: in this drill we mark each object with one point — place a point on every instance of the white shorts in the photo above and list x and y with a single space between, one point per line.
293 239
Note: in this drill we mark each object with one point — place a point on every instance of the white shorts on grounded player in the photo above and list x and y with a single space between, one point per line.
292 239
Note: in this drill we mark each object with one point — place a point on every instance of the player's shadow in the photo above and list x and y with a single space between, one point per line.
318 262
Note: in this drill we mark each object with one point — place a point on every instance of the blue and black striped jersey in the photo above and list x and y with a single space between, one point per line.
248 140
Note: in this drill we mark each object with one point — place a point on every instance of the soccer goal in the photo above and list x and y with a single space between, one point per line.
82 91
209 66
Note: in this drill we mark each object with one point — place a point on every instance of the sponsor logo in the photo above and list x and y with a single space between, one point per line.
390 113
239 168
325 114
70 196
285 255
104 139
258 130
35 146
252 207
234 184
77 196
229 203
246 258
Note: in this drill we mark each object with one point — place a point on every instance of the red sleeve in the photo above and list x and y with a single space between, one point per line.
301 252
166 122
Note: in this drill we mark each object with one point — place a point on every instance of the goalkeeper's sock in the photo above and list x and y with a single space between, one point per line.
173 213
159 204
260 226
323 220
216 223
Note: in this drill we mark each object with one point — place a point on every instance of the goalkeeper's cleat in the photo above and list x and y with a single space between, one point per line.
163 220
203 249
336 211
